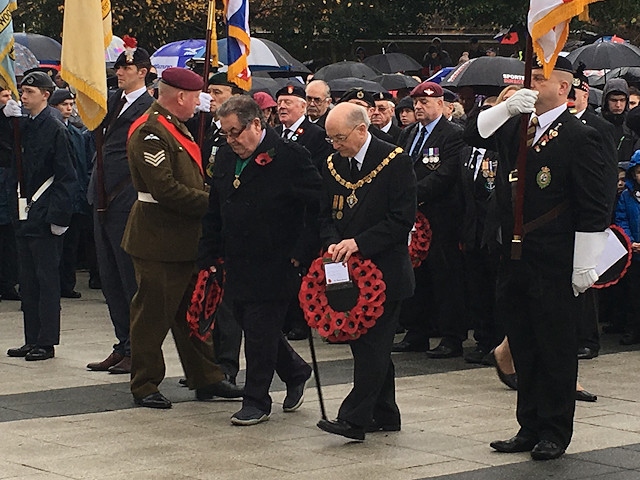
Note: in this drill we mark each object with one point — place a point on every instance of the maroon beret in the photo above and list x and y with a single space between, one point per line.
427 89
264 100
182 79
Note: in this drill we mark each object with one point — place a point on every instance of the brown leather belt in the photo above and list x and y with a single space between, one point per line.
545 218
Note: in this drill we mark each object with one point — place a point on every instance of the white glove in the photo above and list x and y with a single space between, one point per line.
57 230
205 103
490 120
12 109
587 248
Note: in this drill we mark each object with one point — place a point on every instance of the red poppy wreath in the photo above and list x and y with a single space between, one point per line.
206 297
338 326
420 240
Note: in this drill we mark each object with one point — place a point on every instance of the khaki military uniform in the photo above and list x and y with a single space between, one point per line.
161 236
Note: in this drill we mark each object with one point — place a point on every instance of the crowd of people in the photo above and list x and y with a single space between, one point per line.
276 180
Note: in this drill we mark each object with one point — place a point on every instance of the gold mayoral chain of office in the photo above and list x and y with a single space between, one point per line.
352 199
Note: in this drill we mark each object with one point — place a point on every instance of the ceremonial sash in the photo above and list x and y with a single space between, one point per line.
189 145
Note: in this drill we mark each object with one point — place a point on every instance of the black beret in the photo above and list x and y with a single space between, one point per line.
449 96
38 79
562 65
60 96
220 78
358 94
182 79
140 59
580 80
406 102
52 72
294 90
378 96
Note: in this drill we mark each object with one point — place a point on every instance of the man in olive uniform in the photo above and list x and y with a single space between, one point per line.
162 237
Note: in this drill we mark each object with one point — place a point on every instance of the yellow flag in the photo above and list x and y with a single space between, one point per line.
86 30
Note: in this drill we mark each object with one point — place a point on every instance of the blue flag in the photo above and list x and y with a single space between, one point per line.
7 55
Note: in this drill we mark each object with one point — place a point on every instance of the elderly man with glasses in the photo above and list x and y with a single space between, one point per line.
318 101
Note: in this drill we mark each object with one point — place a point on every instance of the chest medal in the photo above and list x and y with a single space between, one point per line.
543 178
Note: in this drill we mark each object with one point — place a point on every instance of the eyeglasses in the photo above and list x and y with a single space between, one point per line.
234 135
315 100
381 109
341 138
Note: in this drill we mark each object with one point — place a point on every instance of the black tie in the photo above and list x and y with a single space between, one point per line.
285 133
474 160
415 153
355 172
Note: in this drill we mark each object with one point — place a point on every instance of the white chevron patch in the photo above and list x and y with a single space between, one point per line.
151 136
156 159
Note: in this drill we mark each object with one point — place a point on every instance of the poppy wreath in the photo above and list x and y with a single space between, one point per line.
338 326
205 299
420 240
623 264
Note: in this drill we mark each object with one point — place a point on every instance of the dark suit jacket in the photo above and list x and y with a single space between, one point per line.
321 121
376 132
382 218
264 223
114 151
439 196
394 132
313 138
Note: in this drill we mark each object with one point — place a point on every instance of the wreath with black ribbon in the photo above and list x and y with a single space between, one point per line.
206 297
420 240
341 315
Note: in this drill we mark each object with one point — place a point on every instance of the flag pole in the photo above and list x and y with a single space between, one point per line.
516 241
211 36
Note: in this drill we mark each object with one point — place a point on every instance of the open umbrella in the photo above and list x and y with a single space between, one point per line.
272 85
265 55
393 62
441 74
346 69
630 74
341 85
25 59
175 54
606 55
486 74
47 50
113 51
396 81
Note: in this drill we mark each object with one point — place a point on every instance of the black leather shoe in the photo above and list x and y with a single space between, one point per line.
223 388
40 353
509 379
514 444
376 426
444 351
298 333
405 346
476 357
183 382
343 428
295 396
11 294
546 450
20 351
586 353
584 396
95 283
71 294
629 338
155 400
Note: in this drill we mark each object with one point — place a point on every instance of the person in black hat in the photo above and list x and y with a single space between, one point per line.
359 96
383 115
46 179
565 211
81 227
404 112
112 186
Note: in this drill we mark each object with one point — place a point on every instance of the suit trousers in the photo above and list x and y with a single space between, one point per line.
588 328
227 338
540 315
373 394
267 351
39 259
159 305
116 274
8 258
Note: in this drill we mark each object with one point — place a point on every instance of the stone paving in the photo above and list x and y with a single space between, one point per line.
60 421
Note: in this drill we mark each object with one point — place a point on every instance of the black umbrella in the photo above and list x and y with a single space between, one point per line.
346 69
630 74
486 73
47 50
342 85
393 62
606 55
595 97
272 85
396 81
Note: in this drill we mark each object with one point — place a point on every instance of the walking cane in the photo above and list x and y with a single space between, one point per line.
316 372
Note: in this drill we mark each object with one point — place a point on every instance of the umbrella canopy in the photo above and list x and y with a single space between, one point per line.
606 55
393 62
341 85
47 50
486 74
595 97
175 54
25 59
113 51
265 55
272 85
441 74
630 74
396 81
346 69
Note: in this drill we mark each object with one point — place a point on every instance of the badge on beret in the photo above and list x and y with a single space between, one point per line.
360 94
289 89
543 178
429 92
576 82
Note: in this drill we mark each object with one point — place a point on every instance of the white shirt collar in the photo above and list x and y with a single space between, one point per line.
546 119
132 97
295 125
363 151
386 128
